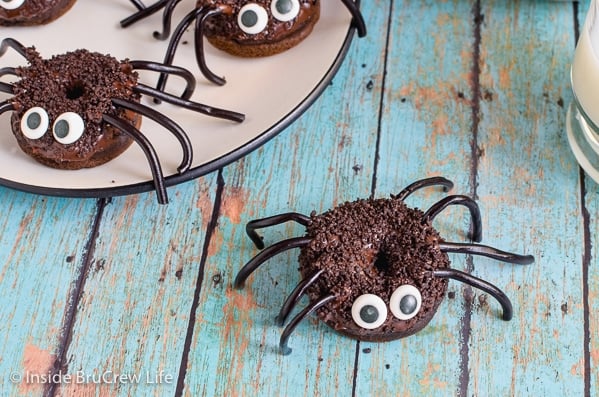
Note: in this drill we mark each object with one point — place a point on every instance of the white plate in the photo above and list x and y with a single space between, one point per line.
271 92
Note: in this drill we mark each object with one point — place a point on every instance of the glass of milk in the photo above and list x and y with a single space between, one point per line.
583 114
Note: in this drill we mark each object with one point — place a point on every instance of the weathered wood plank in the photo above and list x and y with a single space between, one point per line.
426 131
134 312
42 249
590 283
528 188
324 158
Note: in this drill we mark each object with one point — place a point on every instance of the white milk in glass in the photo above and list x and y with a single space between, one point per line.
583 113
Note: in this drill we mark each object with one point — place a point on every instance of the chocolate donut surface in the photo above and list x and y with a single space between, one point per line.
74 89
260 27
374 247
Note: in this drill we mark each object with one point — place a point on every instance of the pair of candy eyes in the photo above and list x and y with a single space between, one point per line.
11 4
369 311
67 128
253 18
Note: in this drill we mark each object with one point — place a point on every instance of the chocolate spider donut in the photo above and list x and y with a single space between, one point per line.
32 12
250 28
375 270
82 109
58 91
383 250
261 27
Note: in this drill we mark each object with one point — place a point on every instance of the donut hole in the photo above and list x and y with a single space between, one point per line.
382 263
75 90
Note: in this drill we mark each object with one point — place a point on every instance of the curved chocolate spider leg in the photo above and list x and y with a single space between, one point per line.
138 4
184 103
166 20
251 227
200 15
15 45
435 180
167 123
6 106
170 69
265 255
358 19
489 252
284 349
477 228
7 87
480 284
293 299
148 150
143 11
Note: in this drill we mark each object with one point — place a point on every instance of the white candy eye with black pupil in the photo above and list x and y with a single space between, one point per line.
285 10
34 123
369 311
68 128
11 4
405 302
252 18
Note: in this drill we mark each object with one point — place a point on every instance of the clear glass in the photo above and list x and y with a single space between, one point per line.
583 113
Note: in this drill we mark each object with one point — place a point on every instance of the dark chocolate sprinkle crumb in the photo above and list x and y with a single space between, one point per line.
373 246
80 81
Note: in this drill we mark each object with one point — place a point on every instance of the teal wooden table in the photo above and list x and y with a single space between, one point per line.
123 297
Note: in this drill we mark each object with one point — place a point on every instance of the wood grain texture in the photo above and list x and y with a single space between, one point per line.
325 158
474 90
587 365
43 247
527 172
425 131
134 310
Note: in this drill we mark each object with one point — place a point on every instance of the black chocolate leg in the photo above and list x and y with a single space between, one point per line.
265 255
138 4
167 123
199 43
436 180
489 252
477 228
358 19
169 69
480 284
195 106
251 227
143 12
295 296
199 14
7 87
15 45
166 20
284 349
6 106
148 150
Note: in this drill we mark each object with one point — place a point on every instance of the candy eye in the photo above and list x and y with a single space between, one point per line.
34 123
252 18
369 311
68 127
285 10
405 302
11 4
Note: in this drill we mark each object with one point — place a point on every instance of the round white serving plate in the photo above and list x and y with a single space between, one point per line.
272 92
